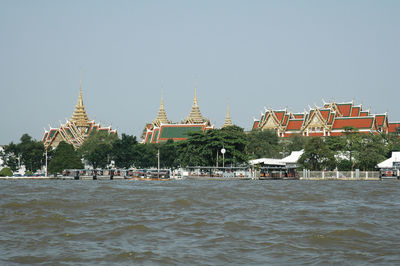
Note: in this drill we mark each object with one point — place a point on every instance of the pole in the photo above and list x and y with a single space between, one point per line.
46 165
158 162
217 158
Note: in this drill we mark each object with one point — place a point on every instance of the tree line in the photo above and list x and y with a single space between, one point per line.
352 150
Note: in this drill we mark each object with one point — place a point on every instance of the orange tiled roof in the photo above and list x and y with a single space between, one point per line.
325 114
355 111
255 124
393 127
298 116
344 108
294 124
380 119
279 115
356 122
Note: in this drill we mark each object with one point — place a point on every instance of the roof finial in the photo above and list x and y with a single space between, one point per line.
79 116
195 95
161 116
80 101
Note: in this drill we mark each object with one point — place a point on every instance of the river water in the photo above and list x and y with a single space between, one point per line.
202 222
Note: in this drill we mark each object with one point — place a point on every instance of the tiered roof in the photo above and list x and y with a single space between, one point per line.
228 121
76 130
79 117
162 130
161 116
195 116
331 119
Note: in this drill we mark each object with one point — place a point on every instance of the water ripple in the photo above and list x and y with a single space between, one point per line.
199 222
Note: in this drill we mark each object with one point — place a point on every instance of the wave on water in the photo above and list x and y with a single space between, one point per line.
199 222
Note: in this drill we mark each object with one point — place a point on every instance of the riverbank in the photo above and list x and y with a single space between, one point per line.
187 178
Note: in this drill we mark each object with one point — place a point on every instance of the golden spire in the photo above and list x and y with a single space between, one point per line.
228 121
161 116
79 116
195 116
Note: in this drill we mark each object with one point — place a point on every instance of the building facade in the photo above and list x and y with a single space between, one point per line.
332 119
162 129
76 130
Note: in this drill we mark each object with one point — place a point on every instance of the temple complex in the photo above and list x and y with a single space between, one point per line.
161 129
332 119
74 131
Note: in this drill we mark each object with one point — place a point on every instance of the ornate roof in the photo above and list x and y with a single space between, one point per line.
195 116
79 117
228 121
161 116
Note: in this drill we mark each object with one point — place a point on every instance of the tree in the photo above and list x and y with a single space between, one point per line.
203 148
11 156
97 148
65 157
125 151
235 141
168 154
263 144
317 155
352 144
6 171
292 143
372 151
32 153
147 156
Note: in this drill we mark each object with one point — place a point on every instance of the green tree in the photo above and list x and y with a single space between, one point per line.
263 144
125 151
168 154
317 155
32 153
352 144
11 156
203 148
65 157
372 151
235 141
393 144
6 171
147 156
97 149
292 143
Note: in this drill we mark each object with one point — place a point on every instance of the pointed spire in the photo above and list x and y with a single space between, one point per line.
79 116
80 100
228 121
195 116
195 96
161 116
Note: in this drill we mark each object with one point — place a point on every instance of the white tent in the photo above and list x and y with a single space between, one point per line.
389 162
289 160
267 161
293 157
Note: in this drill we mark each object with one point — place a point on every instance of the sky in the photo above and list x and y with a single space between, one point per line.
245 54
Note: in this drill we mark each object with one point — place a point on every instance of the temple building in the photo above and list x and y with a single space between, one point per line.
74 131
332 119
161 129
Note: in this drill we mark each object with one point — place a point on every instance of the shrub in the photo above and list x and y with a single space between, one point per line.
6 172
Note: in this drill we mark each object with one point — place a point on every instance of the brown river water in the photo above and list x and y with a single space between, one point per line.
201 222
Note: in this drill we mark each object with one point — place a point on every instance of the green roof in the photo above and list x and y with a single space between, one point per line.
178 131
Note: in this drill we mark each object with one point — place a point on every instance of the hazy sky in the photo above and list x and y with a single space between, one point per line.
252 54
